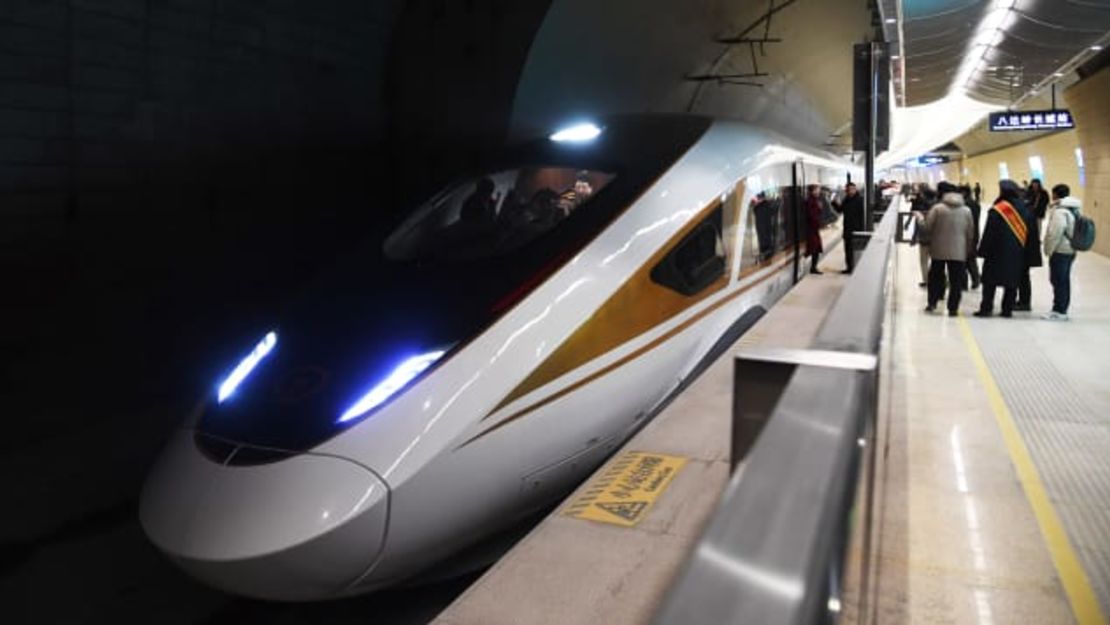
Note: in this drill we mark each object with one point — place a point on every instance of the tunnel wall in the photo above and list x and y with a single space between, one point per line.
1090 101
455 69
154 121
1057 153
167 167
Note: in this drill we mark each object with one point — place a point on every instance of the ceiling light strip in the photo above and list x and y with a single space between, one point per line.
990 32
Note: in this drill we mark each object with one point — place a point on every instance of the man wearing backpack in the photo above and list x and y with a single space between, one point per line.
1058 247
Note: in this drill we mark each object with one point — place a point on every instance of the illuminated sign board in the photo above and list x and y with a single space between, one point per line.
1056 119
932 159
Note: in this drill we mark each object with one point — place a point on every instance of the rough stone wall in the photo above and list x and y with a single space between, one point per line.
168 167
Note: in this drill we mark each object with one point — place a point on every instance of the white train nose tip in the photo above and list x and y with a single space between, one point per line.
301 528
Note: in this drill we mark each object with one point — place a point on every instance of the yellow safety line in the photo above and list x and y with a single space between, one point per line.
1084 603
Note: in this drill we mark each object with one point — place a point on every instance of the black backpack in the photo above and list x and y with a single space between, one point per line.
1083 234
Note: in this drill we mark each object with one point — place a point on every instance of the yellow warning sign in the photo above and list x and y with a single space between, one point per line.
624 492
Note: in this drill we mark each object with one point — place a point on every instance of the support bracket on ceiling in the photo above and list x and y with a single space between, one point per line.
754 43
730 79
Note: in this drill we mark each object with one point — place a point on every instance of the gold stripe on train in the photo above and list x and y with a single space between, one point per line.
639 305
787 254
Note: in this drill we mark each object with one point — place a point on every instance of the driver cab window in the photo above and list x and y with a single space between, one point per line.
697 261
494 214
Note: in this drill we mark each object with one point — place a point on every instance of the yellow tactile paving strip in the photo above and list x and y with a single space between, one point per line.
1084 603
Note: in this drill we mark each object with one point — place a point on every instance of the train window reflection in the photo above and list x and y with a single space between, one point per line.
769 227
764 229
495 214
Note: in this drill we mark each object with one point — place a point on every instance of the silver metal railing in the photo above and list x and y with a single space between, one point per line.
773 550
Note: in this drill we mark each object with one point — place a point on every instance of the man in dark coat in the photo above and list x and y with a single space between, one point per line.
1003 248
1036 200
852 209
813 227
972 202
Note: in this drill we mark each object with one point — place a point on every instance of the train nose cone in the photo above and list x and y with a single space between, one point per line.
301 528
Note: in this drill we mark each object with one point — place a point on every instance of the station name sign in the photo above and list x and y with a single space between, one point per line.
932 159
1055 119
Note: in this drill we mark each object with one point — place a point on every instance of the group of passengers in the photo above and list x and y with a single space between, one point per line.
947 233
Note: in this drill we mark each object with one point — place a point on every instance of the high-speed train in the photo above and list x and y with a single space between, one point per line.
485 357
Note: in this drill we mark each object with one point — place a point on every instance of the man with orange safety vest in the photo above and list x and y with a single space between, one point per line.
1006 237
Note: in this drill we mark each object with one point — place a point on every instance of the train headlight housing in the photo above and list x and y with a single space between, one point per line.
577 133
245 366
401 375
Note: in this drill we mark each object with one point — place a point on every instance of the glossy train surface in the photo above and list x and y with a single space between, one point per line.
485 357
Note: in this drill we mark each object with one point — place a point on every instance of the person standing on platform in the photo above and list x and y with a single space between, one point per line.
951 238
972 204
1036 199
1032 253
852 209
925 199
1057 247
1003 247
813 227
978 193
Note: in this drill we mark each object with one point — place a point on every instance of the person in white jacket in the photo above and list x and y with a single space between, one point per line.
1058 249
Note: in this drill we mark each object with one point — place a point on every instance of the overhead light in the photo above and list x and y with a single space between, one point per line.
990 32
1096 48
989 38
578 133
891 20
894 57
245 366
395 381
1058 74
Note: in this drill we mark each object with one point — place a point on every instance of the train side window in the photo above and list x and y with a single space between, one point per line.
697 261
750 248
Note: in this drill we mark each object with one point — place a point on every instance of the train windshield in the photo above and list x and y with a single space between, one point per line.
496 214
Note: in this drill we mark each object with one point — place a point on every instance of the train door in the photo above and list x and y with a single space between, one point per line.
794 205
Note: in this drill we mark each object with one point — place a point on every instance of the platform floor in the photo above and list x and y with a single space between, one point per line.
994 496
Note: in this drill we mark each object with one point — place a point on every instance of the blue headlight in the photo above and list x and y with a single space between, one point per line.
245 366
395 381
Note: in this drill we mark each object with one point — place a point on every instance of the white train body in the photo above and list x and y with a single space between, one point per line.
509 419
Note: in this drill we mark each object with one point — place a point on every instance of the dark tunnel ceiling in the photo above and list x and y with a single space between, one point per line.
593 58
